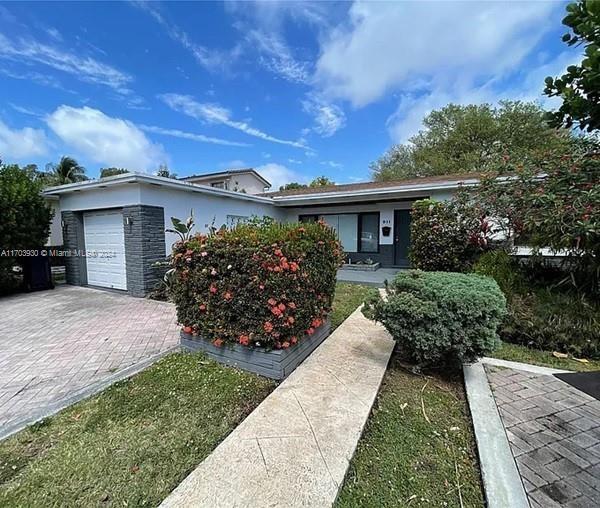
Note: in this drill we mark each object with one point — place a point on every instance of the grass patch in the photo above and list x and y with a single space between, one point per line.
517 353
347 298
134 442
404 460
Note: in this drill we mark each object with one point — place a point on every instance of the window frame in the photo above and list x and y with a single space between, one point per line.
315 216
360 230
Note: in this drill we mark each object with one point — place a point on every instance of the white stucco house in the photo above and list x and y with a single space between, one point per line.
120 221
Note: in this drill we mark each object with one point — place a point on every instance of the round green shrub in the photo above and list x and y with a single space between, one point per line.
440 318
259 284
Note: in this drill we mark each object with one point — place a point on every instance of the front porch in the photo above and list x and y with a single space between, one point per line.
375 278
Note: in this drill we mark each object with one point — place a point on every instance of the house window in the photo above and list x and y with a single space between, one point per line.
369 232
234 220
219 185
357 232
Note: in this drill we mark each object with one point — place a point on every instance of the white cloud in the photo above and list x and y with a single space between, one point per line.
190 135
213 113
279 174
328 117
277 57
84 68
407 45
294 161
104 139
332 164
211 59
21 143
408 117
23 110
234 164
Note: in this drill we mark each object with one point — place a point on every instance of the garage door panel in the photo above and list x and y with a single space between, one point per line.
105 246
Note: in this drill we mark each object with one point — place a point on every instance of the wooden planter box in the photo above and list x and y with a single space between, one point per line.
361 268
274 363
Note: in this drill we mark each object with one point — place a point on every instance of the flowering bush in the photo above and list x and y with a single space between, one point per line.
258 284
447 235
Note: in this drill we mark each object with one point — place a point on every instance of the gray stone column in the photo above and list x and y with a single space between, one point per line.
73 240
144 228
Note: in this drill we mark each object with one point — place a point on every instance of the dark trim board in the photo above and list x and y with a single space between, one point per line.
275 363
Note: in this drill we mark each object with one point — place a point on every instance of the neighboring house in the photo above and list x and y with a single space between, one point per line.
238 180
120 221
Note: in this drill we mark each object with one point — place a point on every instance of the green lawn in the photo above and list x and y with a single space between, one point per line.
516 353
347 298
404 460
133 443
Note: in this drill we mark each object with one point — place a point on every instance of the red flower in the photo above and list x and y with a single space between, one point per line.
202 307
285 265
310 331
244 340
291 305
268 326
218 342
276 311
291 320
228 296
272 302
285 345
277 269
316 323
293 266
188 330
293 340
281 307
278 252
213 289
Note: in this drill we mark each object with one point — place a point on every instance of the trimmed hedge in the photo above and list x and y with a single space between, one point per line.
259 284
440 317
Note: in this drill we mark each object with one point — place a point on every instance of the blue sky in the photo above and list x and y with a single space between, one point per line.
295 90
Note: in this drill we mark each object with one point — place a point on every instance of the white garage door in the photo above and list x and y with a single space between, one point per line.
105 246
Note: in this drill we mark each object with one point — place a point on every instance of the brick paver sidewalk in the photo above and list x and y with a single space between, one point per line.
554 434
54 343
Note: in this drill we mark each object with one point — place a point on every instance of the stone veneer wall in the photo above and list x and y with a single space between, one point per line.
73 239
144 246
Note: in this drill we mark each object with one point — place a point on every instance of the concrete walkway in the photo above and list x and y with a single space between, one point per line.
294 449
376 278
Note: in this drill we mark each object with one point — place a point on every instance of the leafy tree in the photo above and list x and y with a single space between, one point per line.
68 170
464 139
551 201
292 186
104 172
321 181
164 171
579 87
25 217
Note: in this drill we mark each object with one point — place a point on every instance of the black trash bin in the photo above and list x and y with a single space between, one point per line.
37 274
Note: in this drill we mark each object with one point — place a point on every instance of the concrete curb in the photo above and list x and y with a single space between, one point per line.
535 369
83 393
501 479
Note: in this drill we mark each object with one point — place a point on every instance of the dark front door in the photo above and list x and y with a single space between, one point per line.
401 237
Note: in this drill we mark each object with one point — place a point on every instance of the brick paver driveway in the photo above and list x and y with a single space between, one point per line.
55 343
554 435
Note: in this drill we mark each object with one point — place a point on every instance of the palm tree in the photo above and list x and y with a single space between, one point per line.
67 170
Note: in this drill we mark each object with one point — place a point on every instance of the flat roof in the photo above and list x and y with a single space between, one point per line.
159 181
228 172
